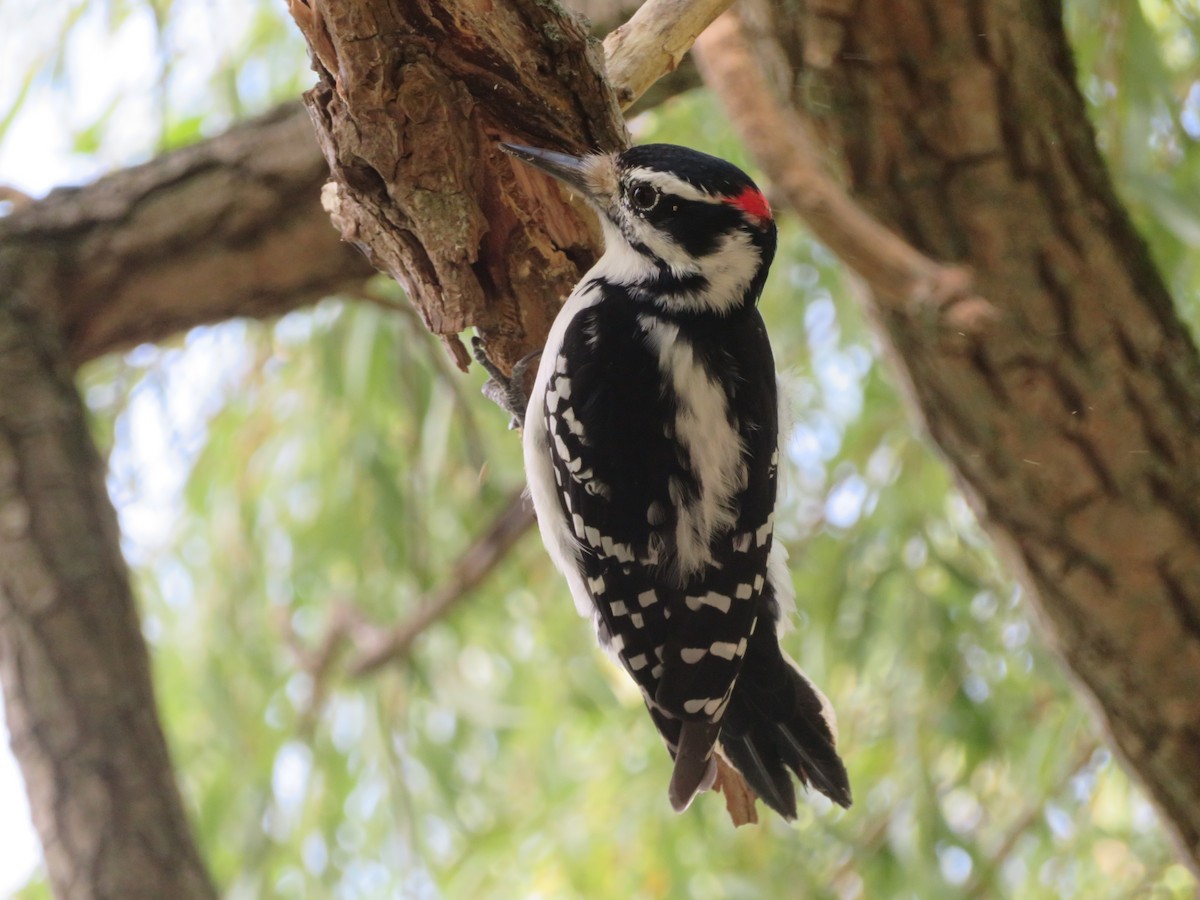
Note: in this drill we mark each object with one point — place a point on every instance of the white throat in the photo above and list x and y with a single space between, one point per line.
727 271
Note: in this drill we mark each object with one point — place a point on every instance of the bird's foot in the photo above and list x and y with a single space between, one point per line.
506 391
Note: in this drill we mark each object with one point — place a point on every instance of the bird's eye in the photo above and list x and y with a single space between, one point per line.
643 197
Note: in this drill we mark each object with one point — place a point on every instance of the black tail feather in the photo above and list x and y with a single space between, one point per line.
775 723
769 779
821 764
695 767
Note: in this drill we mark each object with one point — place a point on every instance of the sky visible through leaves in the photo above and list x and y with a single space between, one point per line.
270 474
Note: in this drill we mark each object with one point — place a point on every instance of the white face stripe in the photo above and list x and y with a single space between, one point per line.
621 264
669 184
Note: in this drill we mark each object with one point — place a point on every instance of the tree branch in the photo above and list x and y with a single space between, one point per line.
229 227
409 109
780 142
653 42
410 123
76 675
607 16
377 648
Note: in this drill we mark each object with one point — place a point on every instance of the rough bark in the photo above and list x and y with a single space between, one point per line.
76 675
229 227
409 108
1071 411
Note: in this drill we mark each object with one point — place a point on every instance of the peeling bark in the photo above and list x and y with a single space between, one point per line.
1072 415
410 105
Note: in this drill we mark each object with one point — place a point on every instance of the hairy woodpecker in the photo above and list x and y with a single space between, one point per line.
651 444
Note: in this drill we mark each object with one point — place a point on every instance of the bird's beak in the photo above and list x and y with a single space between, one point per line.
573 171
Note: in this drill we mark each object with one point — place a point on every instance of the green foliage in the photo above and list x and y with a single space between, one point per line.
271 476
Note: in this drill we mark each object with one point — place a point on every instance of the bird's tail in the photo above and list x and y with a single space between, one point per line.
778 721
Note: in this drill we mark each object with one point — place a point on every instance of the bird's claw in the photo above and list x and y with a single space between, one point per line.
506 391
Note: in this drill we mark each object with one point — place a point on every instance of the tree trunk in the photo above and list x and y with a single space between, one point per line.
76 675
1066 393
232 226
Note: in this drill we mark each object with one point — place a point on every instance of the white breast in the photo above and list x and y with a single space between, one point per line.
713 446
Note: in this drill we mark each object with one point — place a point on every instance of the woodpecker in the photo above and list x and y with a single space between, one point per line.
651 444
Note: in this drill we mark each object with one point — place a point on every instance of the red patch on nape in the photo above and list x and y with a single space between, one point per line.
752 202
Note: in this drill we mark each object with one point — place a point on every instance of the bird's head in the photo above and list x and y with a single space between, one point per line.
686 231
